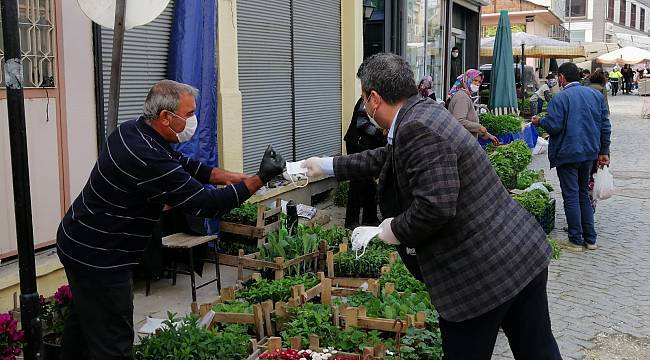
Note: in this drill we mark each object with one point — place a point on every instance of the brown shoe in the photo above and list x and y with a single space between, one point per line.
568 245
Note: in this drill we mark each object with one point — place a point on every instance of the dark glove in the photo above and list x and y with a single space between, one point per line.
272 165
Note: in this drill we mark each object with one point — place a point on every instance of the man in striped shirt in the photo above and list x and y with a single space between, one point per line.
107 228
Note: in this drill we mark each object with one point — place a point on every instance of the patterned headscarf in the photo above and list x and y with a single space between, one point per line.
464 81
425 86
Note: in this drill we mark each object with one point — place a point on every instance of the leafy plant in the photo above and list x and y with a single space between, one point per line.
334 235
420 344
501 124
261 290
237 306
509 160
535 202
402 278
555 247
245 214
184 339
341 194
310 319
376 256
526 178
230 244
391 306
281 244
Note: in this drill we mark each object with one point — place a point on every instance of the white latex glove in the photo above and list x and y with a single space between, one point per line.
316 166
386 232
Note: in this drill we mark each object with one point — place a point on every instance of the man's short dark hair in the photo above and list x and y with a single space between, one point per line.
389 75
570 71
455 48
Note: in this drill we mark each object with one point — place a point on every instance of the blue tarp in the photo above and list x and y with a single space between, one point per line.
529 134
192 61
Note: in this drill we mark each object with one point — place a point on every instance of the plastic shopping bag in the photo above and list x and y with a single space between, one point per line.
603 184
541 146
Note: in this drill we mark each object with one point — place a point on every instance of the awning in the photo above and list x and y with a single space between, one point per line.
536 47
627 55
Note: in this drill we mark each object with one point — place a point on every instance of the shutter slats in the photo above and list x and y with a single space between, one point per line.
263 40
317 50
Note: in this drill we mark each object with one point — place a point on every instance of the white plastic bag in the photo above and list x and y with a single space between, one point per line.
361 236
603 184
537 186
540 147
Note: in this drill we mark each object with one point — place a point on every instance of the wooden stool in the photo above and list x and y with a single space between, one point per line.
186 242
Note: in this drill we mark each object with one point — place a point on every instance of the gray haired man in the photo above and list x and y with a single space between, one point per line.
107 228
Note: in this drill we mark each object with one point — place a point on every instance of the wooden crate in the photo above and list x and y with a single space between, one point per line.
261 229
343 286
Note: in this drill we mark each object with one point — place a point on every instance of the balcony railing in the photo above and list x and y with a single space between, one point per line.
559 32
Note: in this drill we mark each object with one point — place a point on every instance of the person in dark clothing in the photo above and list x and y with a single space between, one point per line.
106 230
456 65
362 135
425 88
628 76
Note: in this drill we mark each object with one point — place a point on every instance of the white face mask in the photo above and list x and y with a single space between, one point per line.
191 123
474 88
454 54
372 117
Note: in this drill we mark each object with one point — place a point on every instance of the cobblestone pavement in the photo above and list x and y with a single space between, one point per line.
607 291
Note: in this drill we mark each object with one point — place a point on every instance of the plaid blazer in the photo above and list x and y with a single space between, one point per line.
476 247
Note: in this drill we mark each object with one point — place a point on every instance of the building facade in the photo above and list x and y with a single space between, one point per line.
607 20
283 79
424 32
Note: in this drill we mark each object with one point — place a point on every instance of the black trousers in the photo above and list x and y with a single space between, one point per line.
614 85
100 326
362 194
524 319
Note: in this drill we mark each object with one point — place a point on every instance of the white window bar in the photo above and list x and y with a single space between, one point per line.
37 43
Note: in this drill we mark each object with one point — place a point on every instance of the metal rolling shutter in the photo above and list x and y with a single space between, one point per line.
144 63
317 61
264 45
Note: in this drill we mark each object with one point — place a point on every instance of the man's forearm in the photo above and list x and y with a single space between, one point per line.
253 184
223 177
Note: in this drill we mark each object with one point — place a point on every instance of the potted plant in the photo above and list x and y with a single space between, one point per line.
54 313
11 339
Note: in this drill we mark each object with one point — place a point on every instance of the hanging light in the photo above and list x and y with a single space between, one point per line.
368 8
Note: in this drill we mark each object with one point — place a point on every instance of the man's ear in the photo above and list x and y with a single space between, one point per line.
164 117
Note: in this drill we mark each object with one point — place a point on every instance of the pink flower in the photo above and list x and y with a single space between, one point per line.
63 295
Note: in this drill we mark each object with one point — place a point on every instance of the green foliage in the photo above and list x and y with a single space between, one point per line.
245 214
501 124
260 290
402 278
376 256
535 202
230 244
420 344
310 319
509 160
392 306
334 235
555 247
281 244
188 341
341 195
354 340
526 178
237 306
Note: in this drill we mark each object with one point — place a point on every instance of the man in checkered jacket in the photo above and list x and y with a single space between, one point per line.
482 256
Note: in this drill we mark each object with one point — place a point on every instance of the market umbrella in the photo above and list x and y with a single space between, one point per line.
503 96
536 47
627 55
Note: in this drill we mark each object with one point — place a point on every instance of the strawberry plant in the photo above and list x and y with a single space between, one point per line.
245 214
402 278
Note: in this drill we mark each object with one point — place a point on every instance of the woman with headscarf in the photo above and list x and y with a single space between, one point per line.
425 88
462 104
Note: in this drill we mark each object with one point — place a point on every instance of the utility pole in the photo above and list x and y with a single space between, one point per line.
29 304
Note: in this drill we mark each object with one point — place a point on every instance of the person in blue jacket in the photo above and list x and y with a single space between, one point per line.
579 129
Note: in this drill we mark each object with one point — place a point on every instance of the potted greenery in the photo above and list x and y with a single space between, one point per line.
11 339
54 313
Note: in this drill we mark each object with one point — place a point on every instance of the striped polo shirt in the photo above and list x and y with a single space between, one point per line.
109 225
